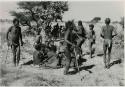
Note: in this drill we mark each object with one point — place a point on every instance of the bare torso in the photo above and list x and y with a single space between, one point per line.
14 34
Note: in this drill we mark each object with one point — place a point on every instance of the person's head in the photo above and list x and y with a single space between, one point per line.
38 32
79 23
107 21
91 26
51 42
38 47
69 25
16 22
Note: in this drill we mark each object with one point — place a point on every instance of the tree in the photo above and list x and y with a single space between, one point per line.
96 19
42 12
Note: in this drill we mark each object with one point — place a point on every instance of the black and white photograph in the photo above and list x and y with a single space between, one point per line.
62 43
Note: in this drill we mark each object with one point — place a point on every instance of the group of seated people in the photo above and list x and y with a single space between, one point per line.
48 52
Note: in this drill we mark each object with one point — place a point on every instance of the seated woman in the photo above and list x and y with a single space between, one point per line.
51 54
38 53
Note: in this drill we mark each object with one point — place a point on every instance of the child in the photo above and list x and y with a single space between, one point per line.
91 38
60 53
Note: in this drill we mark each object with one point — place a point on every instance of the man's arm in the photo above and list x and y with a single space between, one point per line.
9 30
102 33
20 36
66 38
94 35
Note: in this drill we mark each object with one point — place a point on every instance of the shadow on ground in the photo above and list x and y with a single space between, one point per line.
29 62
86 68
115 62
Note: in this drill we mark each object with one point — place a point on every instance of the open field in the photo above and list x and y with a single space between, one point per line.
92 72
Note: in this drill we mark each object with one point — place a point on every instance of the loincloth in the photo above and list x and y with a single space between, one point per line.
108 42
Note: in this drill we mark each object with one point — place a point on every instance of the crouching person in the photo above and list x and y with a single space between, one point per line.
38 53
52 61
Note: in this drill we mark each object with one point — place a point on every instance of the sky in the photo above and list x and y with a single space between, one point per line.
78 10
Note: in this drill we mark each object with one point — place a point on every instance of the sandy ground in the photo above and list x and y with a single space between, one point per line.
92 72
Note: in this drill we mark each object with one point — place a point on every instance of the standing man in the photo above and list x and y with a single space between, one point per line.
91 38
69 39
107 33
14 37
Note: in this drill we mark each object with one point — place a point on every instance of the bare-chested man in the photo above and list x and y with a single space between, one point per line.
14 37
69 39
107 33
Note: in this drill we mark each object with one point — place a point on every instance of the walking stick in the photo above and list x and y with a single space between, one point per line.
76 56
6 54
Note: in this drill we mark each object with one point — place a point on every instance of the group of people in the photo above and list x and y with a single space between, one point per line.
57 31
69 48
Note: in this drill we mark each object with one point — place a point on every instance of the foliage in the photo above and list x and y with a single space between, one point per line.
42 12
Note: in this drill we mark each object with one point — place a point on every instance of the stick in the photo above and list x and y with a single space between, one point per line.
76 60
44 61
6 54
77 64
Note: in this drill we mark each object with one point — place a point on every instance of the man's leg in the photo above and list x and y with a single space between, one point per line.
18 55
80 44
60 60
90 49
68 61
104 50
109 55
14 54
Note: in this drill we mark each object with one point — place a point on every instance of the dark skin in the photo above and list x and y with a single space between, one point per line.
91 42
81 35
14 41
38 39
60 55
68 51
107 35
